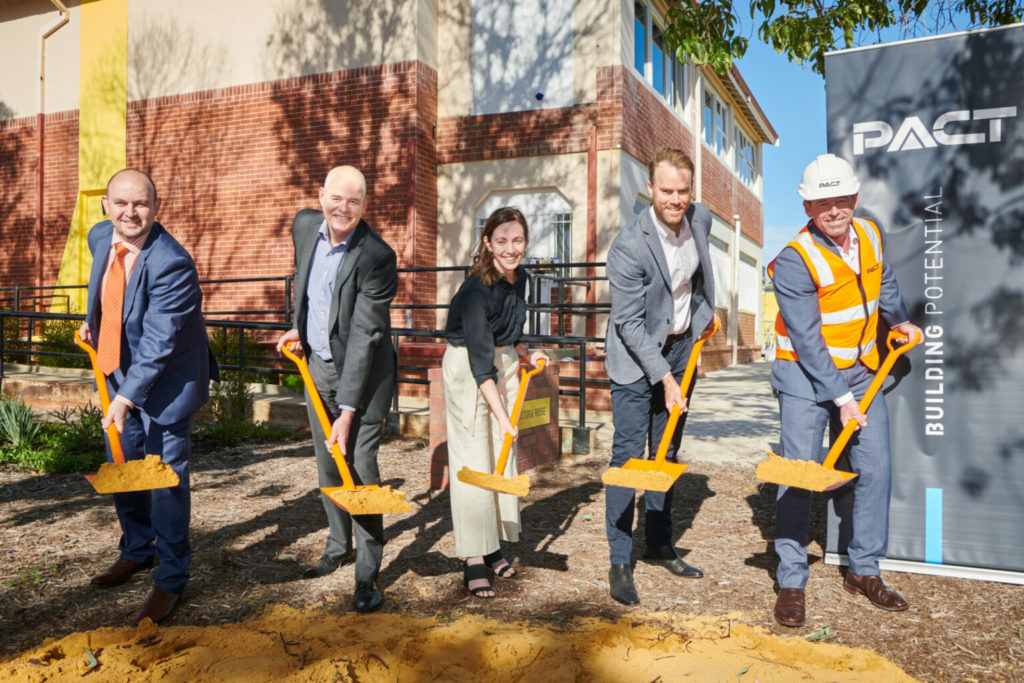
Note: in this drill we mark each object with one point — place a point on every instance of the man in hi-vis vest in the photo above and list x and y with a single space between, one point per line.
832 283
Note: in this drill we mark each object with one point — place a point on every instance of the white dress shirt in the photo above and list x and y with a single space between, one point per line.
681 256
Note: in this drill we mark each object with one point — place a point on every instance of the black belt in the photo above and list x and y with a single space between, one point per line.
673 338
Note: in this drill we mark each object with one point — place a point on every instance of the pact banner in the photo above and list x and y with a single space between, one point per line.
935 130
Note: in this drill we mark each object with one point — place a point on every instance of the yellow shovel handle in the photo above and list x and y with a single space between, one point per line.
691 367
101 386
850 427
506 445
325 423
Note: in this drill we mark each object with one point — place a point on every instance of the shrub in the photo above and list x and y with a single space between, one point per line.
59 335
17 422
73 442
224 344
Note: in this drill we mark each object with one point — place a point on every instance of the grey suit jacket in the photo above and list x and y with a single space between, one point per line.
815 376
641 292
360 317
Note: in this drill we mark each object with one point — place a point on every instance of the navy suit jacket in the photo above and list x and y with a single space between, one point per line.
641 293
815 376
166 362
360 313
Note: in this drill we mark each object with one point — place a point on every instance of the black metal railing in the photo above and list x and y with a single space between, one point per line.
21 341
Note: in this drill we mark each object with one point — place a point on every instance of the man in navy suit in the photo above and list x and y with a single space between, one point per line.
159 378
663 298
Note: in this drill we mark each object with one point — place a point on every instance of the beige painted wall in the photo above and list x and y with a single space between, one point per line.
597 37
462 188
192 45
22 25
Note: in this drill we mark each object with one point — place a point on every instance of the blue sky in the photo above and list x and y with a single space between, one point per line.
793 99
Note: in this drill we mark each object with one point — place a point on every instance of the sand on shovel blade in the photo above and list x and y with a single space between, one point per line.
517 486
637 479
135 475
802 474
370 500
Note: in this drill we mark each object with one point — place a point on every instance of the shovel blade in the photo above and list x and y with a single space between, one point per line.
135 475
649 475
368 500
516 486
801 474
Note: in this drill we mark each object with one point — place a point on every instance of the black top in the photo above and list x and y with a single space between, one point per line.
481 318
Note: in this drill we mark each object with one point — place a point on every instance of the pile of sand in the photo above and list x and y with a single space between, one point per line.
293 645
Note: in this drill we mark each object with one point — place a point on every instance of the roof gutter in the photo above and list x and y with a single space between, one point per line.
41 135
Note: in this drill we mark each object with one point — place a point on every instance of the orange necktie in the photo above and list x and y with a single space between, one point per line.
108 351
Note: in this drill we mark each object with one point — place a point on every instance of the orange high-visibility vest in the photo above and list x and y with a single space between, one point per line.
848 301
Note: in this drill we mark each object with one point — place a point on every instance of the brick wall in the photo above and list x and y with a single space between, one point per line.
19 164
236 164
536 445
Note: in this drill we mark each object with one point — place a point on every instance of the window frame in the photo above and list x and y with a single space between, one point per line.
672 89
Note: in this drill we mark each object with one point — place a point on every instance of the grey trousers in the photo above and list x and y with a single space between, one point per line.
363 443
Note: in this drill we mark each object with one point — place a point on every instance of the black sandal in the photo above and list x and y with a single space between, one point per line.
474 572
506 572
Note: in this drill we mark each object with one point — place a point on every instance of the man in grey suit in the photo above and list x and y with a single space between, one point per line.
663 296
345 279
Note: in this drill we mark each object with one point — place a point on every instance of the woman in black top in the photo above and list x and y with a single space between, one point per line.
480 367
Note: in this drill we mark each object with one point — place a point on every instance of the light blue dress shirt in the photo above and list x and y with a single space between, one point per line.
323 274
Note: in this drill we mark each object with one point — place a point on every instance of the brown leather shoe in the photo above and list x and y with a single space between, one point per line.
119 572
873 587
789 607
158 606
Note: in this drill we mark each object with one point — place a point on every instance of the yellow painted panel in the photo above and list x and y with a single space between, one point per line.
102 130
535 413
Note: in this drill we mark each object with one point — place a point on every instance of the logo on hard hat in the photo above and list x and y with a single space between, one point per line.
912 133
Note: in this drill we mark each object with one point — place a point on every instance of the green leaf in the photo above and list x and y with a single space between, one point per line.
91 658
743 671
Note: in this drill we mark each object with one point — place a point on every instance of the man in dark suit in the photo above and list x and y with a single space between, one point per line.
345 279
663 297
156 358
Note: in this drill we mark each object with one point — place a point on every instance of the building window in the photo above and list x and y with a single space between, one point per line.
746 158
654 60
715 115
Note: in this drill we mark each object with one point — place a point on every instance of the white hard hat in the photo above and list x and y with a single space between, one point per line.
828 176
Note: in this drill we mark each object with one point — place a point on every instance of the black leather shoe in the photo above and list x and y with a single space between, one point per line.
621 586
667 557
327 565
368 598
118 573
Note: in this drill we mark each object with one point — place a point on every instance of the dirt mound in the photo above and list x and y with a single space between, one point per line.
286 644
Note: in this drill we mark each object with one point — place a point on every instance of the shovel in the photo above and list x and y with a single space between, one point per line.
123 476
368 499
518 486
658 475
809 475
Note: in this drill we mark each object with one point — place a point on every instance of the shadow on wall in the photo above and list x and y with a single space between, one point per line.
380 120
6 113
167 56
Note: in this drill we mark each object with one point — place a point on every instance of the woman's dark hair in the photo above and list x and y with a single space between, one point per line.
483 261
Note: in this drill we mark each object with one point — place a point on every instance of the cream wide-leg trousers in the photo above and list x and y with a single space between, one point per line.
481 518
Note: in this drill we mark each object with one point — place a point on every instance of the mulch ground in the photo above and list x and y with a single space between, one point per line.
257 521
